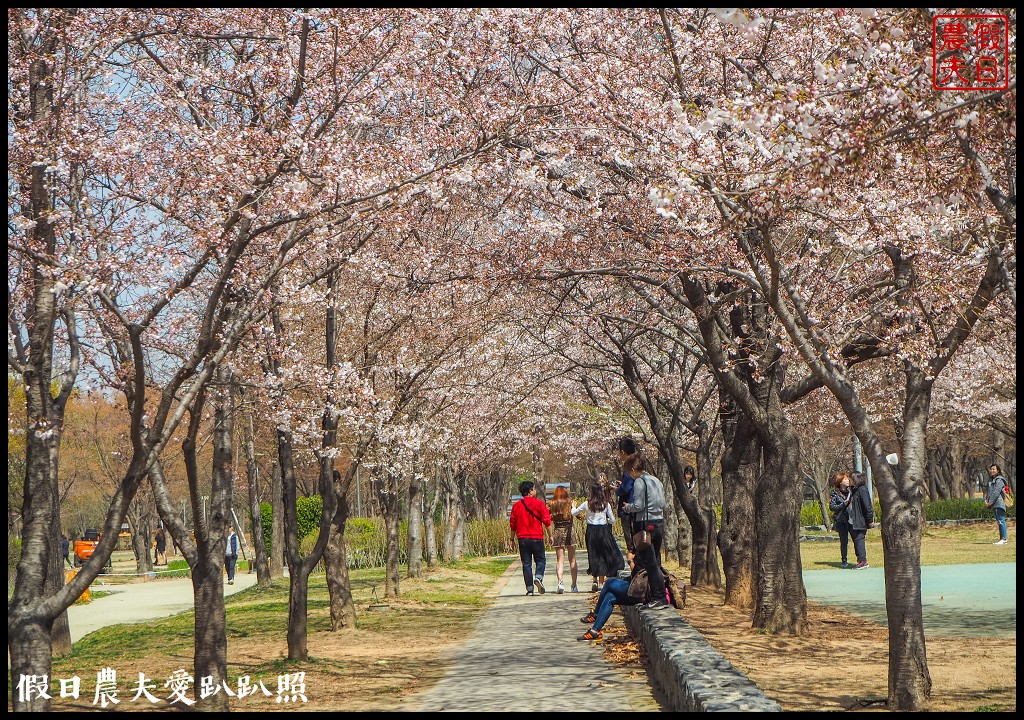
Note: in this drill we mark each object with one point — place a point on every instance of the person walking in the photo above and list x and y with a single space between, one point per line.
563 536
161 547
231 554
839 504
65 549
602 550
648 508
862 516
624 492
995 498
527 521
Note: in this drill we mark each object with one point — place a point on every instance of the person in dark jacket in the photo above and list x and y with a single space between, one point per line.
995 498
65 549
862 516
624 493
839 504
528 519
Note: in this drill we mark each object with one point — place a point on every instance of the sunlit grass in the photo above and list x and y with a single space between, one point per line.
940 545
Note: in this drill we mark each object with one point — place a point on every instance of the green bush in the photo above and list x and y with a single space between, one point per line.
810 514
307 510
961 509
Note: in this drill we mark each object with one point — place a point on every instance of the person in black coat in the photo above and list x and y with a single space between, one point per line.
862 516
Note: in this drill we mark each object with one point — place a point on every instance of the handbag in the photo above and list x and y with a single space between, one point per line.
638 585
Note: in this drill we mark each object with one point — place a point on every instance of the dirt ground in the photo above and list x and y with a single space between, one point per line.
843 663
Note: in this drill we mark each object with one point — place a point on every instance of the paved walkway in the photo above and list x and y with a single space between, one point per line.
524 657
139 602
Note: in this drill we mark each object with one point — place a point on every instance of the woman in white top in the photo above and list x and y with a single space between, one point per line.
602 551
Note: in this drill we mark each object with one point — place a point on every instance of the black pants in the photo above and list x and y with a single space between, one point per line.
229 562
650 558
843 528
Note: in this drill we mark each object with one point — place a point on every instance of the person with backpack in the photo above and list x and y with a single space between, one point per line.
648 507
528 521
995 498
839 504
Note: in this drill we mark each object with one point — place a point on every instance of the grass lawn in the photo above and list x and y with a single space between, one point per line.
940 545
393 648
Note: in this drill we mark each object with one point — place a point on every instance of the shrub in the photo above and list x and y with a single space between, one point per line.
488 537
810 514
961 509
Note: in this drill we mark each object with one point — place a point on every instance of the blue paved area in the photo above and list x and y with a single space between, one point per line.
959 600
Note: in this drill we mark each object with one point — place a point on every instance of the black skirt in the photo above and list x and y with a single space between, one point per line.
603 552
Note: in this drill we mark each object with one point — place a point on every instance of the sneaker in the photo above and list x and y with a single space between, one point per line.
529 593
862 565
589 619
231 582
845 564
539 582
575 589
561 588
591 635
656 605
594 588
999 542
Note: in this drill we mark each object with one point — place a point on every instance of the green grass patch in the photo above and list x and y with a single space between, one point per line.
940 545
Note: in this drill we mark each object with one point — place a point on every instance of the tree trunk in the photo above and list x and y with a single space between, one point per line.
736 536
780 605
297 590
211 645
415 531
673 513
262 562
388 497
910 683
276 522
429 530
339 584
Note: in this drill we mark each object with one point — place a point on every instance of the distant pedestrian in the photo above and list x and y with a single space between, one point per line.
231 554
602 551
528 519
862 517
690 478
65 549
161 547
995 498
839 504
563 536
648 508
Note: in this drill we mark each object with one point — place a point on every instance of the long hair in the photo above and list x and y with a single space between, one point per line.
560 504
597 499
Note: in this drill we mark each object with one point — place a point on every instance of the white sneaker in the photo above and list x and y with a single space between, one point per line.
575 588
999 542
561 588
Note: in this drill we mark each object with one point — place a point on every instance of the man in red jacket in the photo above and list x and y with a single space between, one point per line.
528 519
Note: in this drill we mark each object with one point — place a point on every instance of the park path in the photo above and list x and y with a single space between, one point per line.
139 602
523 656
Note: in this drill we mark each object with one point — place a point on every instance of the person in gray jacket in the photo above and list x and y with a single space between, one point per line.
648 507
995 498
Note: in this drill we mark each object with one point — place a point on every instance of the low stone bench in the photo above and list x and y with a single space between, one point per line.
692 675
